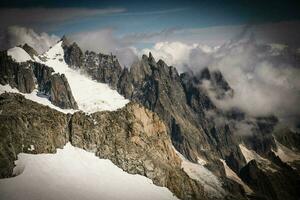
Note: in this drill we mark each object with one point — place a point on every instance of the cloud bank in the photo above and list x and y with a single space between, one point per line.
264 77
106 42
16 35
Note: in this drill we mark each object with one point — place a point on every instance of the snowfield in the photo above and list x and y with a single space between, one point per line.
252 155
74 174
212 185
91 96
285 154
18 54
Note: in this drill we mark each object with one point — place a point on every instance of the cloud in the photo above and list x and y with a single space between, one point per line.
16 35
181 55
261 86
106 42
264 77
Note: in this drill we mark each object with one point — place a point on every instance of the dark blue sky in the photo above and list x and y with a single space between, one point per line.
144 16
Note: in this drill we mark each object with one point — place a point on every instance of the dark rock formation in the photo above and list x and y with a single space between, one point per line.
101 67
55 86
73 55
272 185
25 77
25 123
17 75
31 51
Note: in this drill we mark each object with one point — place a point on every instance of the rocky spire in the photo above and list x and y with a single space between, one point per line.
31 51
151 58
65 41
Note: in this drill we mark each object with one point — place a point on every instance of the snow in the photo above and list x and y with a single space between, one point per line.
34 97
74 174
252 155
201 161
91 96
233 176
210 182
31 148
285 154
19 54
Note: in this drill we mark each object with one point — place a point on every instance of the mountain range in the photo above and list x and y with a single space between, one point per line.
148 119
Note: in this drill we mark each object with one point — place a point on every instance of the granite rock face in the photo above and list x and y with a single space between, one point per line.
72 54
272 185
101 67
133 138
25 123
26 76
31 51
17 75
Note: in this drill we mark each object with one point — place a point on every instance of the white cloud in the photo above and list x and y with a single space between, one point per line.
182 55
106 42
16 35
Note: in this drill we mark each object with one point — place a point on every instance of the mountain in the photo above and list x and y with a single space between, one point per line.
171 131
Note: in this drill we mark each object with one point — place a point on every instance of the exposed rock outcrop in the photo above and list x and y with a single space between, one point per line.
101 67
272 185
134 138
25 123
31 51
25 76
17 75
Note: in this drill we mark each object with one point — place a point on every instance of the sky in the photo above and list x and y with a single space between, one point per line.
138 17
186 34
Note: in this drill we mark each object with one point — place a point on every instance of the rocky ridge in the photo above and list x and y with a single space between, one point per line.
27 76
120 136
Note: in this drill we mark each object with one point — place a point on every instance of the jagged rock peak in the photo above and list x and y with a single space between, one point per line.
31 51
161 63
151 58
65 41
144 57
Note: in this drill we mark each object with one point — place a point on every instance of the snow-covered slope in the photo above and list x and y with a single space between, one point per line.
91 96
252 155
75 174
18 54
233 176
34 96
212 185
285 154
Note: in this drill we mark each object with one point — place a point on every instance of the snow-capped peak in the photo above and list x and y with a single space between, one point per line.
90 95
18 54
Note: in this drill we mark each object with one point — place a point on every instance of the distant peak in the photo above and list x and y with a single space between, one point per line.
31 51
65 41
151 58
144 57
